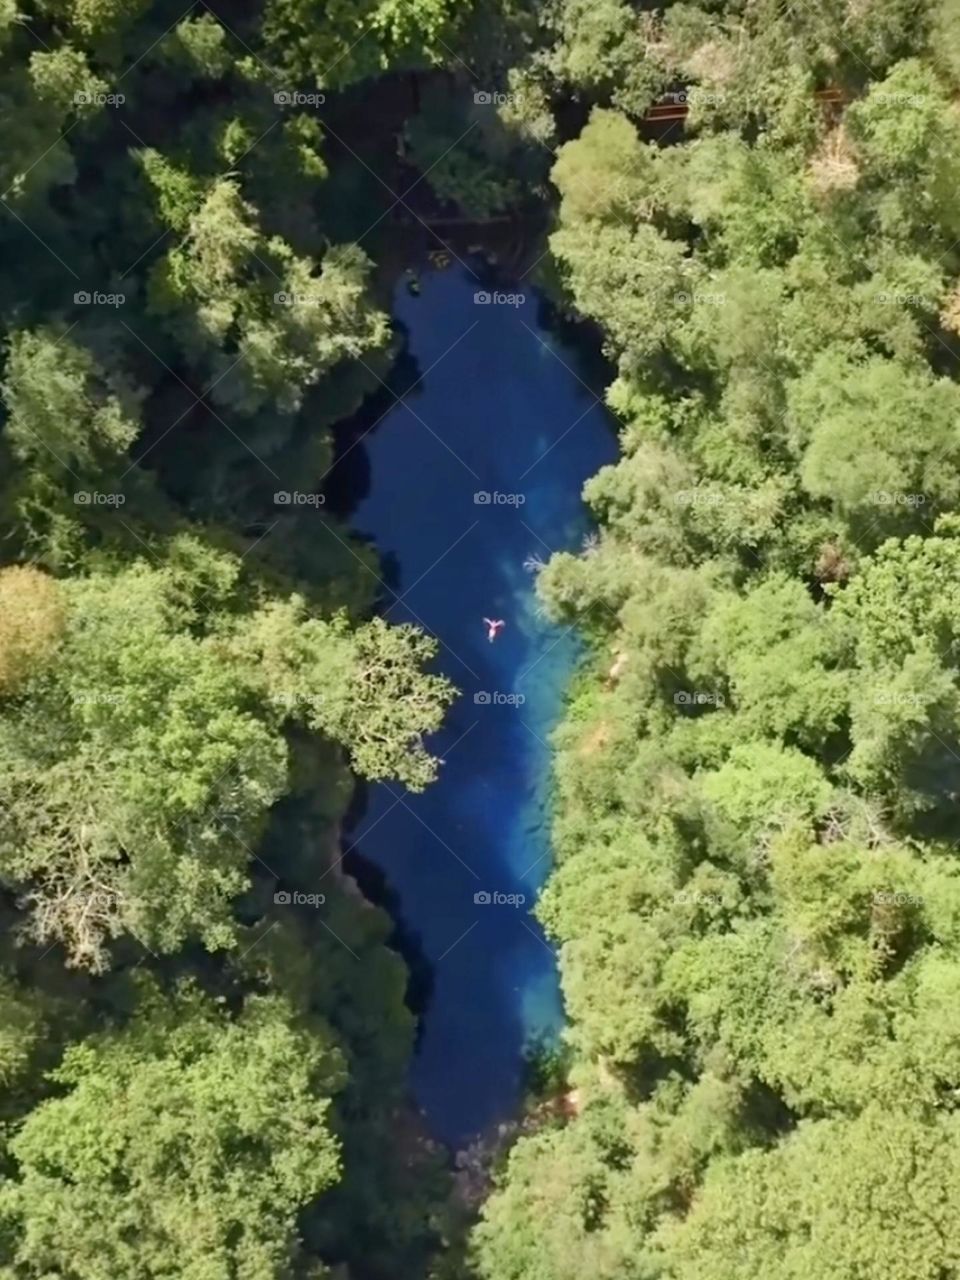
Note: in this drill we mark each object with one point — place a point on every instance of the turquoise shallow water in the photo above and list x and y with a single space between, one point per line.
500 411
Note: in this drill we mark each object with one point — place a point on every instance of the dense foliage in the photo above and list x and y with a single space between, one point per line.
203 1034
757 902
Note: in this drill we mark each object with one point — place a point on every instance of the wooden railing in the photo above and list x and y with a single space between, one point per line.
666 110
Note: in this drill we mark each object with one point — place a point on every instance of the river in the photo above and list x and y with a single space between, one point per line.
474 476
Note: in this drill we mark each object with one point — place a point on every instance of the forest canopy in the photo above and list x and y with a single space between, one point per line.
756 896
757 891
196 1077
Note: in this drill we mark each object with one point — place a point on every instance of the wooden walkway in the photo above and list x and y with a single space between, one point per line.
666 111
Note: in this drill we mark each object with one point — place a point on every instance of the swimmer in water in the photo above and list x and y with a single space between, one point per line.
493 626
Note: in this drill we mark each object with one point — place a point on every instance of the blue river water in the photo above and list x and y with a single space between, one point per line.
474 475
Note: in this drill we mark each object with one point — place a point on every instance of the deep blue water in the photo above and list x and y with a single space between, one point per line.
500 410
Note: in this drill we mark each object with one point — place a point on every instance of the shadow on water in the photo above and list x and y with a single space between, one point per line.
375 887
348 482
465 483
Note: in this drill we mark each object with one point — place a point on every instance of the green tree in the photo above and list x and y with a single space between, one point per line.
877 439
140 768
184 1142
63 408
838 1198
254 316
